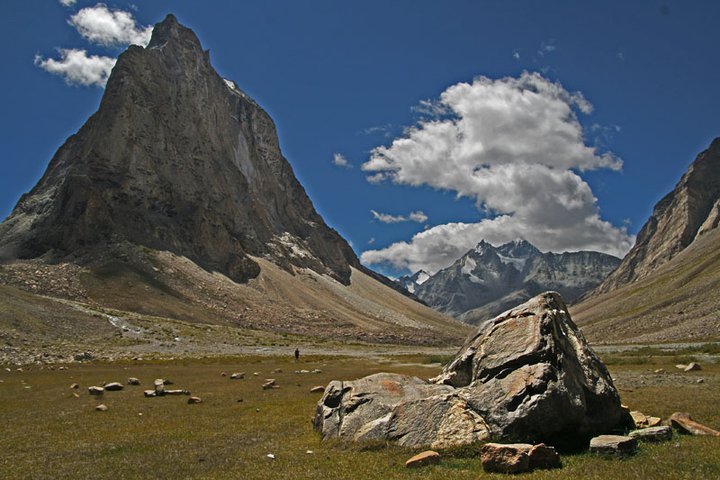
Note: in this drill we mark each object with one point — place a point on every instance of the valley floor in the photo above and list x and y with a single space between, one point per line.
48 432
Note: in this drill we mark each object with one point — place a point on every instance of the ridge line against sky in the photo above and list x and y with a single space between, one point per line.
505 149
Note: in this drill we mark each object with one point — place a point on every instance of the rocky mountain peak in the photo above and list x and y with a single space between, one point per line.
691 209
175 159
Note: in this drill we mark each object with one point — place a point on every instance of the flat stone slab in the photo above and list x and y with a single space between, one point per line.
652 434
684 423
613 445
429 457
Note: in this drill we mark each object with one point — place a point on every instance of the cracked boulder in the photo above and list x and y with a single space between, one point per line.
527 375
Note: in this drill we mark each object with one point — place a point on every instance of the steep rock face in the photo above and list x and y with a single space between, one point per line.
488 280
690 210
527 375
179 159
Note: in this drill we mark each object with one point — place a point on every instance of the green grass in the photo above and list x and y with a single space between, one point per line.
48 433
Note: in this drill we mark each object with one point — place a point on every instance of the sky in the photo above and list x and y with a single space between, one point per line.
417 127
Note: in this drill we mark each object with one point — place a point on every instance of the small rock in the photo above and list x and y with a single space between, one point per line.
159 386
317 389
94 390
133 381
309 452
692 367
62 368
269 383
659 370
683 423
168 382
193 400
237 376
652 434
76 395
83 357
255 374
177 392
505 458
277 370
101 408
75 386
613 445
681 366
114 386
270 456
317 370
223 374
304 371
150 393
428 457
700 380
544 457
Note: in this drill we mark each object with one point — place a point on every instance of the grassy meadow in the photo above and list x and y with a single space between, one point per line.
48 433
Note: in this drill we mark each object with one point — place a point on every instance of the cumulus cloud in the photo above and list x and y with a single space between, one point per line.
77 68
102 26
339 160
417 216
516 147
67 3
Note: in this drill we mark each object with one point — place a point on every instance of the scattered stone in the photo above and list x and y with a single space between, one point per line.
304 371
84 357
168 382
317 389
101 408
255 374
76 395
640 420
75 386
309 452
269 383
317 370
62 368
613 445
700 380
653 434
270 456
277 370
683 423
692 367
681 366
428 457
237 376
177 392
133 381
544 457
505 458
7 369
94 390
159 386
528 373
659 370
223 374
114 386
193 400
150 393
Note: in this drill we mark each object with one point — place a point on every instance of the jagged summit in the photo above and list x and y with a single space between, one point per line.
487 279
178 159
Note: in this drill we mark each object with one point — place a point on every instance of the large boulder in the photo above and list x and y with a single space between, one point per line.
527 375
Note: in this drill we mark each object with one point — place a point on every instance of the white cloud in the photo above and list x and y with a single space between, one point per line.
516 147
102 26
516 55
67 3
340 161
417 216
77 68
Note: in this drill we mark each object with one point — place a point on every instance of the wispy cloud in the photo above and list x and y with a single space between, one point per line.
77 68
516 147
516 55
377 129
339 160
417 216
67 3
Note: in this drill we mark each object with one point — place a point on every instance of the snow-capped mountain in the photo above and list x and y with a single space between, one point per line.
488 280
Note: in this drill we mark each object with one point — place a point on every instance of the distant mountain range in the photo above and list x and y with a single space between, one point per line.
668 286
488 280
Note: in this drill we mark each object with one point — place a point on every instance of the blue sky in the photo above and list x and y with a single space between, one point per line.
363 80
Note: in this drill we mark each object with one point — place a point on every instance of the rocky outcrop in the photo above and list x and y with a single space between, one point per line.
528 375
488 280
175 159
691 210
